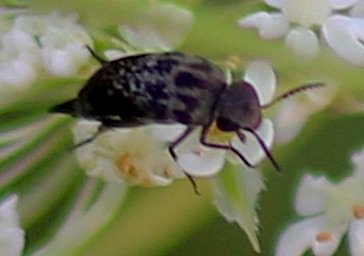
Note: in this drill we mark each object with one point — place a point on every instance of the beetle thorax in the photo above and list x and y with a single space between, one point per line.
238 108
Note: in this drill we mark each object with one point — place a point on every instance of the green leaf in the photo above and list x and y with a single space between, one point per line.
236 194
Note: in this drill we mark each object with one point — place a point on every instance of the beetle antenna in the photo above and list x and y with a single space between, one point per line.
263 146
94 54
293 92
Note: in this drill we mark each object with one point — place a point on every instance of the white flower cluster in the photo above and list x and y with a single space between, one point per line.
161 26
33 43
331 210
339 22
132 156
139 155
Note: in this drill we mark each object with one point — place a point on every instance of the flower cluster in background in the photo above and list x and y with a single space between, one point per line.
331 211
34 43
303 23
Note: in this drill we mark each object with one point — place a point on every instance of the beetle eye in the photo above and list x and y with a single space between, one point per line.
238 107
226 124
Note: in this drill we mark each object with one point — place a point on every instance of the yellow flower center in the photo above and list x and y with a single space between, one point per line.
215 135
127 167
134 171
323 237
358 211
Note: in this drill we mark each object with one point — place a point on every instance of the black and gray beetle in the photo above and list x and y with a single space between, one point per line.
170 88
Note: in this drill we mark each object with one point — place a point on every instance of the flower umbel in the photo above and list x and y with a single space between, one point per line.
299 20
331 211
125 155
33 43
43 61
50 49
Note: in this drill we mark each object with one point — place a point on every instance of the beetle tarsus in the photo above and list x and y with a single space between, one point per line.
264 147
194 184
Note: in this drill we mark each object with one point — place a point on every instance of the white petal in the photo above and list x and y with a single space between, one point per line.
297 238
84 129
344 35
326 248
289 120
303 42
11 235
167 132
20 40
262 77
300 236
358 158
356 237
340 4
236 195
269 26
358 10
57 62
64 61
162 26
251 149
103 169
305 13
358 161
204 163
18 73
311 195
292 113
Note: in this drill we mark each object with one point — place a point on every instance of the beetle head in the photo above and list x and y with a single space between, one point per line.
238 108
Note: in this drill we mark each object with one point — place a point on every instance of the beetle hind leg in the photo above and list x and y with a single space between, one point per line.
100 130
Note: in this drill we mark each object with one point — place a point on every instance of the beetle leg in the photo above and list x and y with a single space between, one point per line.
203 140
181 138
263 145
100 130
171 150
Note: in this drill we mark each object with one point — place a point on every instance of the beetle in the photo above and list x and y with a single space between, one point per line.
167 88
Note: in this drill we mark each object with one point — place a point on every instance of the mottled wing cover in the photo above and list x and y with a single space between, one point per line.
154 88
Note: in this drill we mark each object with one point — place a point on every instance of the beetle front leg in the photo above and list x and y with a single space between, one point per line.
203 141
175 143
